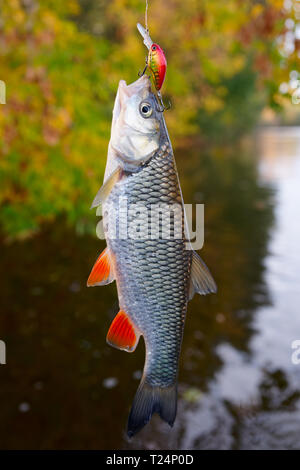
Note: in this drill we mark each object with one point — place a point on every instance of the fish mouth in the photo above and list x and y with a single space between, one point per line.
142 87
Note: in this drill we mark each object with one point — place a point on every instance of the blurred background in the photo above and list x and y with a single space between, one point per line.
234 83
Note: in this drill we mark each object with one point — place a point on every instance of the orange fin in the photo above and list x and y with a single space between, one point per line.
101 273
122 333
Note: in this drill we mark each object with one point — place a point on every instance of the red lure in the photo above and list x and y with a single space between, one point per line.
158 65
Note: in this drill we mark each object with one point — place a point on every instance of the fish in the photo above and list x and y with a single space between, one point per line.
155 276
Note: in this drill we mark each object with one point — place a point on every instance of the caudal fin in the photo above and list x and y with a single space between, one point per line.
149 400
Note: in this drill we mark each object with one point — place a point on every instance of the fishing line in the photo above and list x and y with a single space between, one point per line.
146 16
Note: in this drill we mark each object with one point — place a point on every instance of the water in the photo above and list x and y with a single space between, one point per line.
63 387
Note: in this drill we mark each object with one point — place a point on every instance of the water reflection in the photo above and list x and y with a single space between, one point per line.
64 388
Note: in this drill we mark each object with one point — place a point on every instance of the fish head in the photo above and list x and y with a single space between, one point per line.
136 124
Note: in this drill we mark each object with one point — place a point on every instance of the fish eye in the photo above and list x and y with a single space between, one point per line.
145 109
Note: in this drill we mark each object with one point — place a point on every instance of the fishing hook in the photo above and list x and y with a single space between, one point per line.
140 74
162 107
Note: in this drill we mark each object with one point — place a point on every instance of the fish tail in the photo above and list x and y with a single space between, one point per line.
149 400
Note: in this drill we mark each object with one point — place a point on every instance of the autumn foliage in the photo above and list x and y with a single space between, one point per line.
61 62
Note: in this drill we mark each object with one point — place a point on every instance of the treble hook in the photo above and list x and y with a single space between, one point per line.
140 74
161 103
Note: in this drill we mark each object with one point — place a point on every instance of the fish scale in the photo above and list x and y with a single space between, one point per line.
153 275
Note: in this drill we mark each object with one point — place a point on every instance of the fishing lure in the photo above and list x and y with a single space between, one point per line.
157 64
156 61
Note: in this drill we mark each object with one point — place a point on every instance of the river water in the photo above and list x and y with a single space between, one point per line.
63 387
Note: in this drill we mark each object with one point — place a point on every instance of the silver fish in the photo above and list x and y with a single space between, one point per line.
155 276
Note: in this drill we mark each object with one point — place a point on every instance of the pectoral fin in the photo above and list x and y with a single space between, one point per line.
122 334
105 190
102 272
201 280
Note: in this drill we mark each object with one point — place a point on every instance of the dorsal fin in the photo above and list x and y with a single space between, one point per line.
102 272
201 280
122 334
